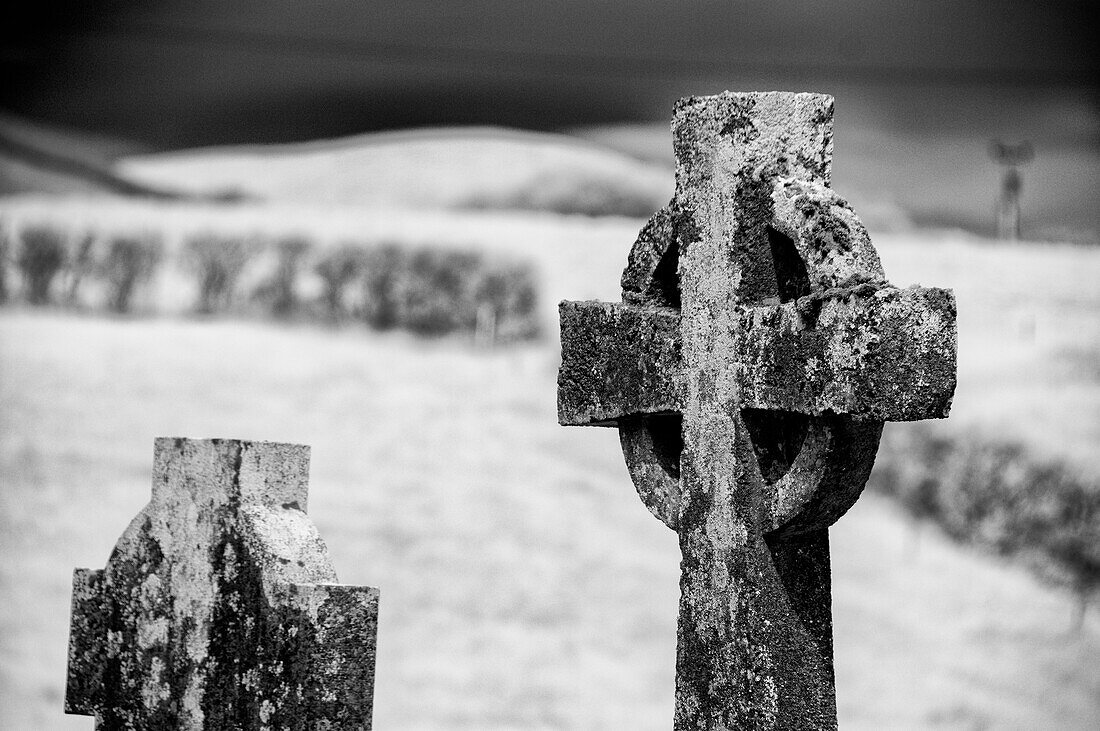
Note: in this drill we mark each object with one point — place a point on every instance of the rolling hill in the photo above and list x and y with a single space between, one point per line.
460 167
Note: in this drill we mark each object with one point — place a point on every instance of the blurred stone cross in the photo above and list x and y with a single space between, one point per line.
218 608
749 369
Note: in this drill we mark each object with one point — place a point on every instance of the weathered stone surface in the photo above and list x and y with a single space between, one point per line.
844 356
836 354
757 352
218 607
617 359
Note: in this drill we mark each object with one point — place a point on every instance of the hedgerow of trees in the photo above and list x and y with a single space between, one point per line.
426 290
999 496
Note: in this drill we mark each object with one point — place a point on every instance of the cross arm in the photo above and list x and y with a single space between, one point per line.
329 633
617 360
87 643
889 355
886 355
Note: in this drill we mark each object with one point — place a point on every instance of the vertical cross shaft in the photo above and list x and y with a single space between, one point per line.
749 370
743 646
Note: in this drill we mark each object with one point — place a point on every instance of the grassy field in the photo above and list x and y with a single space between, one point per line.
523 583
1029 313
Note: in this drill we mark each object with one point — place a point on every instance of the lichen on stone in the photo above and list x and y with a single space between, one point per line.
756 321
218 607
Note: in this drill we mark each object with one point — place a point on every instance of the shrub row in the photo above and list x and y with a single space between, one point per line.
426 290
998 496
429 291
52 265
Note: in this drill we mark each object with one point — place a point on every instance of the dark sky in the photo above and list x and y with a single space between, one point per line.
178 74
921 86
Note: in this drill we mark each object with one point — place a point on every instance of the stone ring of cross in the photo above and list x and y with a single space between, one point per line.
750 367
813 465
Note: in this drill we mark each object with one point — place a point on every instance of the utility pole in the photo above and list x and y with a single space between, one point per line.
1011 157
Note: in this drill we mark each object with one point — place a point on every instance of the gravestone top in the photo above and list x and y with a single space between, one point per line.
749 369
219 606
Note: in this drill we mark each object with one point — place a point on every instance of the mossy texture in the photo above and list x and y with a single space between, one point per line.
219 607
750 367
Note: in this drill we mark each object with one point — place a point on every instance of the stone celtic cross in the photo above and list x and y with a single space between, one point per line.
749 369
218 608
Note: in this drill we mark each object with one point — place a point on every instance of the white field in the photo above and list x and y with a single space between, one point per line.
1029 313
523 583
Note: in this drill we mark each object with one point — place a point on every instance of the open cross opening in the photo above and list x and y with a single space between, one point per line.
749 369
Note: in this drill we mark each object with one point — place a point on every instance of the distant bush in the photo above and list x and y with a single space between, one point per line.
337 269
506 300
131 261
998 496
433 292
437 296
576 192
41 256
383 271
278 293
218 260
81 265
427 290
